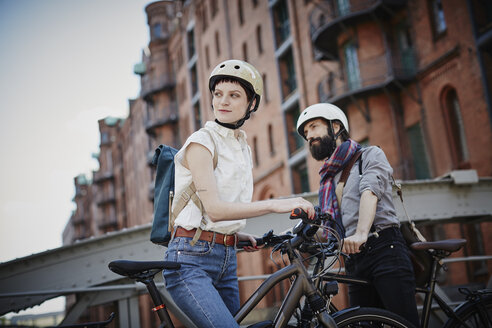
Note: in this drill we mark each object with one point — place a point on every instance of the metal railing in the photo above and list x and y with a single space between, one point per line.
372 72
152 84
327 11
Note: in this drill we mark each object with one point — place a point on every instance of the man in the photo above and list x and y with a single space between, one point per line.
365 215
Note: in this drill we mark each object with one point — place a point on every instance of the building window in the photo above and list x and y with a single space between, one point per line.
295 141
197 116
265 89
300 178
255 152
207 57
351 66
214 8
240 11
245 51
271 142
194 80
259 41
204 17
455 128
287 74
343 7
191 43
281 22
419 153
217 43
255 3
326 87
104 138
405 47
179 56
437 18
156 31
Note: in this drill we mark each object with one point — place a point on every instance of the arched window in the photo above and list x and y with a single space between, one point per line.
256 156
271 142
455 128
245 51
259 40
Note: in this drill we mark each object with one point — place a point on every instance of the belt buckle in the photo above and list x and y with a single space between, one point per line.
225 240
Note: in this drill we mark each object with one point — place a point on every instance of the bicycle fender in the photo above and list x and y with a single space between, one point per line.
338 313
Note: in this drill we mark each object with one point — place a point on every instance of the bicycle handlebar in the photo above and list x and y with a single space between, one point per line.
305 231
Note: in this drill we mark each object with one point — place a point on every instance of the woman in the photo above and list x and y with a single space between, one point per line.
206 287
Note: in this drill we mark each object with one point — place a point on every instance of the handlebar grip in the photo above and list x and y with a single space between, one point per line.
246 243
298 213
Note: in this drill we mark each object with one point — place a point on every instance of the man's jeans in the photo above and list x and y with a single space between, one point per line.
385 262
205 287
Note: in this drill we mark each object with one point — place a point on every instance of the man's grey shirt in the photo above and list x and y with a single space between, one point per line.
376 177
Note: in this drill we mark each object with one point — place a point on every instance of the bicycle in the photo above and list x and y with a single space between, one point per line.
301 289
475 312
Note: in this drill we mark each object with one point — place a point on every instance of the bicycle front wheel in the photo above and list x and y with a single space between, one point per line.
369 317
473 315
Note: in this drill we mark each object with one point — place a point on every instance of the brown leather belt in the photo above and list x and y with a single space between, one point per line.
210 236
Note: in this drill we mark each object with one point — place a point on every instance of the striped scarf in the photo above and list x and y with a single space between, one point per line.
327 197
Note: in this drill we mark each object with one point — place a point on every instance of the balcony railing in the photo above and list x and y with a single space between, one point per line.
108 223
153 84
78 220
374 73
326 18
158 117
105 197
103 176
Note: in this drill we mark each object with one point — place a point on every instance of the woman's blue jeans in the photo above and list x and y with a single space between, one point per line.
205 288
385 262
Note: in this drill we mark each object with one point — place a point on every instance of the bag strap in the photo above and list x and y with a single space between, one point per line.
190 193
399 192
345 175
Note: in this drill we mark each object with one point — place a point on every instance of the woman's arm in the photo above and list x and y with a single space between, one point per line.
198 160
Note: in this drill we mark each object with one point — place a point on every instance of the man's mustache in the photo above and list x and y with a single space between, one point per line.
313 140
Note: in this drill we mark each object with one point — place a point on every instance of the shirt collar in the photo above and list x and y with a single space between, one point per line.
223 131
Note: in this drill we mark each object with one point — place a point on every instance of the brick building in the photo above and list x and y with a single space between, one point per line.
414 77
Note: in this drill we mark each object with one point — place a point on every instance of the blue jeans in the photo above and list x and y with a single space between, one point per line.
205 288
386 264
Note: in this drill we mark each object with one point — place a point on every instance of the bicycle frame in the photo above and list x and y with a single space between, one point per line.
301 286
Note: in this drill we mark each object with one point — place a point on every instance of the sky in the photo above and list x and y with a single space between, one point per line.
64 65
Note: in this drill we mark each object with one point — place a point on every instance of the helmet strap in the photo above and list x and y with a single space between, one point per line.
239 123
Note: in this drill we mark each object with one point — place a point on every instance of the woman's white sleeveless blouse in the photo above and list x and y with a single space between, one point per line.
233 175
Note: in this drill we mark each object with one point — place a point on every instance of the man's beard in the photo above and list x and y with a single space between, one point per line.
323 149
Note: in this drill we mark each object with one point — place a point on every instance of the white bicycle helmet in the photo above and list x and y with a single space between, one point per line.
240 70
247 75
322 110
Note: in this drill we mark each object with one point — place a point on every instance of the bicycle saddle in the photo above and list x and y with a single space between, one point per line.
448 245
131 268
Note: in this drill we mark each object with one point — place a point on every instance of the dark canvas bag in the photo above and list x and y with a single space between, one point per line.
163 221
163 192
421 260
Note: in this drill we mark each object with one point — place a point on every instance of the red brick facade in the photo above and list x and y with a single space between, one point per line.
412 77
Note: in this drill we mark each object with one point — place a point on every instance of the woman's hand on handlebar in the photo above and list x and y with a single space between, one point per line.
241 236
289 204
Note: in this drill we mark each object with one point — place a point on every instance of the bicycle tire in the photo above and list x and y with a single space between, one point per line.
470 314
369 317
